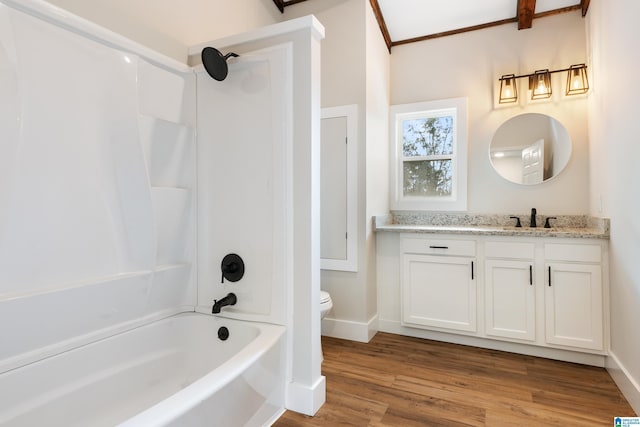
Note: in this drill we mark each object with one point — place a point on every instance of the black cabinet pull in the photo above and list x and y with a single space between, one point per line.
438 247
549 275
471 270
531 275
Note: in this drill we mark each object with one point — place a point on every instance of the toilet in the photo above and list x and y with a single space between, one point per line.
325 304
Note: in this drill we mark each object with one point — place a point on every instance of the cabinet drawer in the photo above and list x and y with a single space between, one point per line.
569 252
431 246
513 250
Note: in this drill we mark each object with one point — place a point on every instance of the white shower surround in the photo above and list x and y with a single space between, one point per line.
98 218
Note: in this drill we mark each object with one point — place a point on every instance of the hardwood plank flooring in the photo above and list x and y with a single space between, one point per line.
403 381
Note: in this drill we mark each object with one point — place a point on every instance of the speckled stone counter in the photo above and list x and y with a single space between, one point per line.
564 226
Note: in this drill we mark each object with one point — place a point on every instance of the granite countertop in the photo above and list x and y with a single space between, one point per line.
565 226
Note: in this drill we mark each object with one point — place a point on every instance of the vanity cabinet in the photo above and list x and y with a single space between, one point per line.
574 296
439 283
510 306
545 292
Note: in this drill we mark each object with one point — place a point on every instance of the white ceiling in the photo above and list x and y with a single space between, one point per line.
406 19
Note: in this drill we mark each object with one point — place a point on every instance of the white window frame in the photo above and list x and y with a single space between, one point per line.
457 201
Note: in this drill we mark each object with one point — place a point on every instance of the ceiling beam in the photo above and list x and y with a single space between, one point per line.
526 10
557 11
483 26
383 25
456 31
280 5
292 2
524 18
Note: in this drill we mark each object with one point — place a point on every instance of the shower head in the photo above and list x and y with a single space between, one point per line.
216 63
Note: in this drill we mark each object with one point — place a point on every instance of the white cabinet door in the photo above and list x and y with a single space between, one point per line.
573 305
510 299
439 291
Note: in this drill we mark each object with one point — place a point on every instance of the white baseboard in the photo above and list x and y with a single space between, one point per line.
629 387
306 399
350 330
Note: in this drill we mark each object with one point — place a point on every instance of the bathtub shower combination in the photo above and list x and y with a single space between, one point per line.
110 254
173 372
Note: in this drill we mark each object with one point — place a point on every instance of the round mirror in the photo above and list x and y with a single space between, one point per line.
530 148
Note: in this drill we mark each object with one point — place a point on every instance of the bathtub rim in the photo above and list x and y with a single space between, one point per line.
179 403
269 337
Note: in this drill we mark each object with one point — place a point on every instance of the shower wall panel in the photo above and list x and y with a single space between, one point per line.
244 182
97 174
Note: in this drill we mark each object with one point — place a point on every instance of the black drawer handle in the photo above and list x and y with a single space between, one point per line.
549 275
438 247
471 270
531 275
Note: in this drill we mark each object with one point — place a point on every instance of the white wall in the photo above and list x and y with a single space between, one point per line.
355 70
377 144
170 27
613 127
468 65
342 76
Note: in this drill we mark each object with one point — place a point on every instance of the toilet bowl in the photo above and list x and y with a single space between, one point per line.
325 304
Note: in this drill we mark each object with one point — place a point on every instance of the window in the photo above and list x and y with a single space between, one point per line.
429 155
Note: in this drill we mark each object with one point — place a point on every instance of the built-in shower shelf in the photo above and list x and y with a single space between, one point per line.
62 287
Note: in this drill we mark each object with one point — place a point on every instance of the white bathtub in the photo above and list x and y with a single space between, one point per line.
172 372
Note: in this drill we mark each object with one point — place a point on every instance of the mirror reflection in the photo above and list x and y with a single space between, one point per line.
530 148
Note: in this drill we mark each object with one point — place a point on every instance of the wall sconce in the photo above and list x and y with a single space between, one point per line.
540 83
577 81
508 89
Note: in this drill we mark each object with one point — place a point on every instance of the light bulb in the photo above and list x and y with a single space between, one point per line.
576 82
542 88
540 85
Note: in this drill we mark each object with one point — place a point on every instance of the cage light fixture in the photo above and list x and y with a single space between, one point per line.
577 80
508 89
540 83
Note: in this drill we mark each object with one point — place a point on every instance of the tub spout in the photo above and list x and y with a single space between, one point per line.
228 300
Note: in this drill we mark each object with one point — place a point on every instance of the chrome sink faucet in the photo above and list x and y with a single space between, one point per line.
533 218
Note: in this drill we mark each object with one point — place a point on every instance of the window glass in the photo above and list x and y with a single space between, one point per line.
427 136
429 155
430 178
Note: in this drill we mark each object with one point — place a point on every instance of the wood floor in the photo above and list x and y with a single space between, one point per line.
402 381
